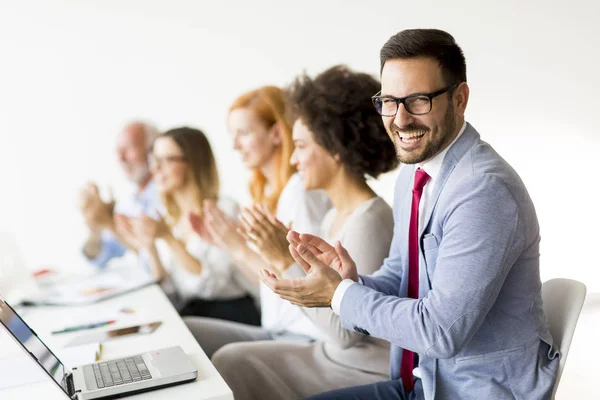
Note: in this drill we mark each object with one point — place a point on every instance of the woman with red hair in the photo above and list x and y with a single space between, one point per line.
262 135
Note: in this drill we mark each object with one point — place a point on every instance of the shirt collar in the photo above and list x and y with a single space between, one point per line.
432 166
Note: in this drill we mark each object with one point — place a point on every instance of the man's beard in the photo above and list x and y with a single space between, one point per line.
138 174
433 148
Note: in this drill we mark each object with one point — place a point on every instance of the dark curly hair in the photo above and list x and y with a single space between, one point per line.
336 106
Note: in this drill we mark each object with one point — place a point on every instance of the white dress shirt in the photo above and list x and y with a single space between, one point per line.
432 168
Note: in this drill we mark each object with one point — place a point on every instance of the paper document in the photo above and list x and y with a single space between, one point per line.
93 288
23 370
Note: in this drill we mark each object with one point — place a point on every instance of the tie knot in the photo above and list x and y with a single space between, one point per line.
421 179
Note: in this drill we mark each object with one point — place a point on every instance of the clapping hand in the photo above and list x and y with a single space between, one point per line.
336 257
141 232
215 227
325 266
198 225
97 214
260 227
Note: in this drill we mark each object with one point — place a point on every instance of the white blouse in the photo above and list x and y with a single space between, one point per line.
305 210
216 281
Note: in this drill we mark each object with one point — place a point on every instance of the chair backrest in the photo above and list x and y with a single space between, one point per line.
563 300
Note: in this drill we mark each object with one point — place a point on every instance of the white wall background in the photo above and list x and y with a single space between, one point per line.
71 72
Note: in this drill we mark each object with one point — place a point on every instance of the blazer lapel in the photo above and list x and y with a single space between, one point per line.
454 154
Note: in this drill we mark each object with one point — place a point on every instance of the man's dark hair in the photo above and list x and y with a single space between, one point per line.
433 43
336 106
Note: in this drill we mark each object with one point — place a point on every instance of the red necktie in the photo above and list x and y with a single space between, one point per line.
408 357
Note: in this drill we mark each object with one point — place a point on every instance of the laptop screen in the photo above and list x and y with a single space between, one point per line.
27 337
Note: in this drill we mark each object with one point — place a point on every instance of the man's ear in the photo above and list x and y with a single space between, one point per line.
461 98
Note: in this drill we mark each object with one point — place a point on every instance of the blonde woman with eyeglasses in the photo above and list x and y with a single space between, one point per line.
200 274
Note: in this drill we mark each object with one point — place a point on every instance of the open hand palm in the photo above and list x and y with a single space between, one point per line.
335 257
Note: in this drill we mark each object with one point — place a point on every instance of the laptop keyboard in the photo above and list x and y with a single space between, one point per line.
118 372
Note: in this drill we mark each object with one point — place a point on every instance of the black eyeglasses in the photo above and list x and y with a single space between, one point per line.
415 104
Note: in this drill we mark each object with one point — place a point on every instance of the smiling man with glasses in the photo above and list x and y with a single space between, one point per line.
459 296
415 104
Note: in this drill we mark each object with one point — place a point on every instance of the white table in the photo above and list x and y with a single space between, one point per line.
150 304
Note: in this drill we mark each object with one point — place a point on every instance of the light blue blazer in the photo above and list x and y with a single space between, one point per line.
478 327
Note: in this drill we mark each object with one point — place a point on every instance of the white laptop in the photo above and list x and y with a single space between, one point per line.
106 379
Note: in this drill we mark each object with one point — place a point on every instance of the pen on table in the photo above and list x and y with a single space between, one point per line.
83 327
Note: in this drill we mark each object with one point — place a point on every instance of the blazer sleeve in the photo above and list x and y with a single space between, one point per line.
479 246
